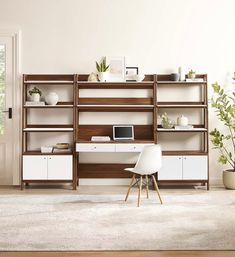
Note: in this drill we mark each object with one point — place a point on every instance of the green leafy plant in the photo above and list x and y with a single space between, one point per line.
102 67
191 73
224 105
35 90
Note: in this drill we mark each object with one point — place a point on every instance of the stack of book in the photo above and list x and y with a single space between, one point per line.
177 127
100 138
31 103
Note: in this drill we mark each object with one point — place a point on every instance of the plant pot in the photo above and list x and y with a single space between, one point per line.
229 179
103 76
36 97
192 75
52 98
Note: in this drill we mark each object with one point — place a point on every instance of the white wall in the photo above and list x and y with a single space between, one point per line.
67 36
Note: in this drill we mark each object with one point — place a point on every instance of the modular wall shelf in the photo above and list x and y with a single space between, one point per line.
55 167
179 166
184 165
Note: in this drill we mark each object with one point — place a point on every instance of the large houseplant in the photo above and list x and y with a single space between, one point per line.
224 105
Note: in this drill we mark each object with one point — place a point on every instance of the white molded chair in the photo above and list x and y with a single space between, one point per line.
148 164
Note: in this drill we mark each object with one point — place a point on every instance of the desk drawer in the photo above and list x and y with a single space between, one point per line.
95 147
130 147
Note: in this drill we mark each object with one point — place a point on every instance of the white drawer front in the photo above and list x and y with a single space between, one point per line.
95 147
130 147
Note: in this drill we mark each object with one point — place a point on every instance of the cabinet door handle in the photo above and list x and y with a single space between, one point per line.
9 112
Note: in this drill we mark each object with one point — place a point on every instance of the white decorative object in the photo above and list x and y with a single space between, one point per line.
117 69
52 98
182 121
139 77
36 97
182 73
93 77
46 149
103 76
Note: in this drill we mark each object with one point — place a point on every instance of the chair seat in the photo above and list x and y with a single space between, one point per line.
139 173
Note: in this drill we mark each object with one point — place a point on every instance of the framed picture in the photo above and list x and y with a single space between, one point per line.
116 69
131 72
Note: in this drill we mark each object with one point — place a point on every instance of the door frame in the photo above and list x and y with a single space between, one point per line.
15 35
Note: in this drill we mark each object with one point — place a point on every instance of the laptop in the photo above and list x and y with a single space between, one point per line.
123 132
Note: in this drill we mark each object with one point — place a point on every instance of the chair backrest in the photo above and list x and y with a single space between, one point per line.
149 161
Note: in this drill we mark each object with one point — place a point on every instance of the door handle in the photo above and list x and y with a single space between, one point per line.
9 113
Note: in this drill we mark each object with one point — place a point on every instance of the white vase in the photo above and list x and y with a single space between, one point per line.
52 98
182 121
36 97
182 73
103 76
229 179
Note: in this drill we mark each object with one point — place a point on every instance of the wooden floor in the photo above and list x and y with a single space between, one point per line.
122 254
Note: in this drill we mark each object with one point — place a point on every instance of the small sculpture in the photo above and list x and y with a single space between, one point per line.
93 77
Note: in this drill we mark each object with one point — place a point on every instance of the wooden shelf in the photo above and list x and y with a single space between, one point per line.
48 128
115 108
115 85
182 130
115 101
181 83
58 105
184 153
181 105
59 82
39 153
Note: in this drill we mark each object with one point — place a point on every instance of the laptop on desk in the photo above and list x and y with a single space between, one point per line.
123 132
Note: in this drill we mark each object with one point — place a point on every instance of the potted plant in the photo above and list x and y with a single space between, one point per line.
166 122
192 74
224 105
35 93
102 69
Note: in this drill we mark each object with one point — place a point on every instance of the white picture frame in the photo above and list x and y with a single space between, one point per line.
117 68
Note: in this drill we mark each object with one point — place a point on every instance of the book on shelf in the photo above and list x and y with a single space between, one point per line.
177 127
100 138
195 80
31 103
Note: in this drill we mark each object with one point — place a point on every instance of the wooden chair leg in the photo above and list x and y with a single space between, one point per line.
129 189
147 185
140 188
156 188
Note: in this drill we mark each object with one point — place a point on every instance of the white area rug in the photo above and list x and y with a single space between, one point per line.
194 220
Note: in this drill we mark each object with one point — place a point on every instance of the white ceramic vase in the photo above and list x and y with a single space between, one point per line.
182 121
52 98
36 97
103 76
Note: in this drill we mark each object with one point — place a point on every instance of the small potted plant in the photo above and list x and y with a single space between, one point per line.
35 93
192 74
102 69
224 105
166 122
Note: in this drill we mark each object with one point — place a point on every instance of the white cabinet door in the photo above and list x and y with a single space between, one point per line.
60 167
171 168
34 167
195 167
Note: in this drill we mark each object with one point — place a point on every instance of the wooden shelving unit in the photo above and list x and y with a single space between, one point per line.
144 134
181 159
55 166
151 133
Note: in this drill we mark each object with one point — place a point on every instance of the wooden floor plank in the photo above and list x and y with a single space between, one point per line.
122 254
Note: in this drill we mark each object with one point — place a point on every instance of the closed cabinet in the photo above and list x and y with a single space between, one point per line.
48 167
183 168
60 167
34 167
171 168
195 167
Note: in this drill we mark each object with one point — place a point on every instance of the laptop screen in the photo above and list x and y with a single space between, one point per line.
123 132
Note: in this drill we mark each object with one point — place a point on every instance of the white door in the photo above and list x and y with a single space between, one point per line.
194 167
171 168
34 167
6 116
60 167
